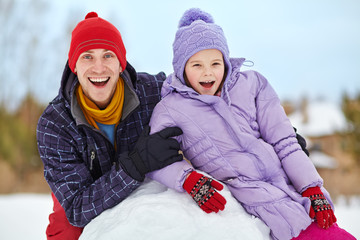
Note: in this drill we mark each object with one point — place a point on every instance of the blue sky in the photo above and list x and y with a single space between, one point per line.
304 48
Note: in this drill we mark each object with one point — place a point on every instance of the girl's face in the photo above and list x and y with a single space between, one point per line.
98 71
204 71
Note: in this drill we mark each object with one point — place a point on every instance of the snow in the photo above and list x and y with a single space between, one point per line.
324 118
322 160
153 211
158 212
24 216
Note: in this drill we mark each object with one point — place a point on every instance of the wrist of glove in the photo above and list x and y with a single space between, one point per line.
151 152
320 207
203 190
129 166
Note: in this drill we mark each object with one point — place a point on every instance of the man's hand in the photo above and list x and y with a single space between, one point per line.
301 142
152 152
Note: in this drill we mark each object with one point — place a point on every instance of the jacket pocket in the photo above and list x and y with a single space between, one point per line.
94 164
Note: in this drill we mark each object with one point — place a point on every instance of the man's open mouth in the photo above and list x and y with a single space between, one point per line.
207 84
99 82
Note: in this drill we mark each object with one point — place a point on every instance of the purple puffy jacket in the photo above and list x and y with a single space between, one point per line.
244 139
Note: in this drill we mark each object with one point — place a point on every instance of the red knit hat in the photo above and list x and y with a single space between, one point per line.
94 32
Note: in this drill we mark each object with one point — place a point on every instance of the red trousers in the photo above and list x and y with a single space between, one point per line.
59 227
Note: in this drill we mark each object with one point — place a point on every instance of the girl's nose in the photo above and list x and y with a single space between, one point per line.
207 71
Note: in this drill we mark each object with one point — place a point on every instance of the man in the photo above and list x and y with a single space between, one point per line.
93 137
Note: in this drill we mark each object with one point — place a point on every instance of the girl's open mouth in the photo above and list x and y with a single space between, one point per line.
207 84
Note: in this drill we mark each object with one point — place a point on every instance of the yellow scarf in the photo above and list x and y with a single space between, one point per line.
110 115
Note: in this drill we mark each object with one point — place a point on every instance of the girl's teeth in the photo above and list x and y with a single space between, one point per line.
207 84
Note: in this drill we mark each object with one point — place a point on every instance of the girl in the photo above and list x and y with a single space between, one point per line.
235 129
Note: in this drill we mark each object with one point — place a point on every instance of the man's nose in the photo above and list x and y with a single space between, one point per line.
99 66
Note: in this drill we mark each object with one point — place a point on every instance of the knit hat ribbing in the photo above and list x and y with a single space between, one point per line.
197 31
94 32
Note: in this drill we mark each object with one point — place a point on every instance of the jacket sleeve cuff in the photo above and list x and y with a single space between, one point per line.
172 176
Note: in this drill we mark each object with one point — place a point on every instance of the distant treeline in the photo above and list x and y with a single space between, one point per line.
18 135
351 110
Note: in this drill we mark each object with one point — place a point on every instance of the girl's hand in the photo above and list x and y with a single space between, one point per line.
203 190
320 207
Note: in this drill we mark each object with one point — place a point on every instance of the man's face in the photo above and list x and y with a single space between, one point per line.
98 71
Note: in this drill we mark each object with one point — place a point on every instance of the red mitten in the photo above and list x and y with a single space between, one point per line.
203 190
320 207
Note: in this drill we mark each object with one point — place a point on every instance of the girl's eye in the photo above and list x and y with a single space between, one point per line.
87 57
196 65
108 56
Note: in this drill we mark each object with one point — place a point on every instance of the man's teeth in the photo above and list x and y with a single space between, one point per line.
99 79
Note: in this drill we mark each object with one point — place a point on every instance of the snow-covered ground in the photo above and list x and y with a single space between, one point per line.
153 211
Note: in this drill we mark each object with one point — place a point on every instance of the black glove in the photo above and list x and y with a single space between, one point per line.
152 152
301 142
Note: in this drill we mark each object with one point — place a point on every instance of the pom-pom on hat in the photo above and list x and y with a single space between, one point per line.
92 33
197 31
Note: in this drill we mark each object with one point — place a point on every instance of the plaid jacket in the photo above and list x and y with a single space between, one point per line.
79 161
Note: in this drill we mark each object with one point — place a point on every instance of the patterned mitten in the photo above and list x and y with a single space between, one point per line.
320 207
203 190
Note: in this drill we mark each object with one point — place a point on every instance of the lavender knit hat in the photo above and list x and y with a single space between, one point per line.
197 31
